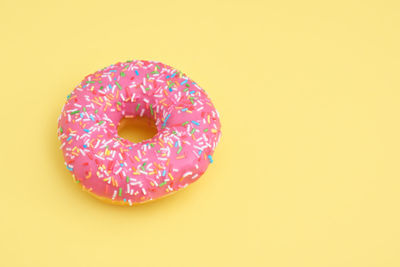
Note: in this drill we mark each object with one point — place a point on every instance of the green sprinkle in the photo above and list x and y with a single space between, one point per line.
90 81
101 122
186 122
74 112
95 112
122 74
205 130
186 89
158 151
84 109
120 191
137 107
151 144
193 130
61 130
119 86
163 183
179 150
151 109
187 85
101 87
100 81
147 89
127 179
119 103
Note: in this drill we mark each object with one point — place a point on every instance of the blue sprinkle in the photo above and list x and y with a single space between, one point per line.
130 147
167 77
86 130
81 114
69 168
163 174
84 146
113 71
210 158
122 165
176 144
173 75
184 109
170 89
91 117
200 152
124 199
196 123
185 81
165 121
109 86
69 138
192 92
137 73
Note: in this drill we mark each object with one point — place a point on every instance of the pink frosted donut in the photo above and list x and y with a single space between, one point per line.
117 170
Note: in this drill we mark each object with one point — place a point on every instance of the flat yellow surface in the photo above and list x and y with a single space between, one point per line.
308 169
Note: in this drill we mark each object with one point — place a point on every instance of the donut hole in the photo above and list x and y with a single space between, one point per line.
137 129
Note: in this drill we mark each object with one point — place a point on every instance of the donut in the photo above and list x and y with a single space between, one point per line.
121 172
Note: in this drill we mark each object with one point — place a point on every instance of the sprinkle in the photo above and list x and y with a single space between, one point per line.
137 107
210 158
193 130
165 121
86 130
120 191
196 123
162 184
186 122
74 112
69 168
151 109
185 81
137 73
179 150
119 86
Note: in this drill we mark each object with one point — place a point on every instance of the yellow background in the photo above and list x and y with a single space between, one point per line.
307 171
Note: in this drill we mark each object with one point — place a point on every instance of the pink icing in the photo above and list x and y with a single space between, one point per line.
109 166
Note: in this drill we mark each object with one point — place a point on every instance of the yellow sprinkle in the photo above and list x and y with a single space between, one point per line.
170 176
